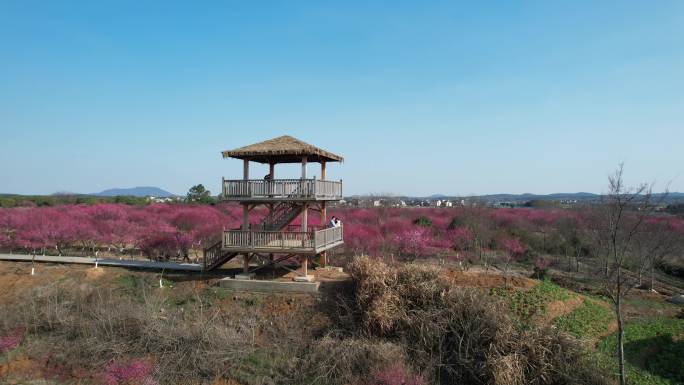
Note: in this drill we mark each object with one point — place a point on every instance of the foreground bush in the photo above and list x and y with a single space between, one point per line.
118 339
457 336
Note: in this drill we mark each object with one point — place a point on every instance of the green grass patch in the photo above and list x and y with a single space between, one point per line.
128 283
256 367
215 294
589 320
654 351
527 303
133 286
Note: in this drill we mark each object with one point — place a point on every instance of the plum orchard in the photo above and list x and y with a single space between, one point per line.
165 231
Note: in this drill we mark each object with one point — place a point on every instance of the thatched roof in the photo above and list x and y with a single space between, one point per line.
283 149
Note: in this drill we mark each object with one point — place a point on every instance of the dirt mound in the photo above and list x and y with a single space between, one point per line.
21 366
16 277
488 280
93 273
555 309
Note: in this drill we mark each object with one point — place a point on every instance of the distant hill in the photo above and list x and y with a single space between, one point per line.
579 196
142 191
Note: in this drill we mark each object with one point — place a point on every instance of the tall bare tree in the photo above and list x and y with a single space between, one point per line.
655 241
615 226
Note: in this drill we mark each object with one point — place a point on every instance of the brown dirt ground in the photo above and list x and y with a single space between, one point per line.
488 280
20 366
555 309
16 276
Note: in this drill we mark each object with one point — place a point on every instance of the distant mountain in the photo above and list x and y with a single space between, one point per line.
143 191
526 197
64 193
580 196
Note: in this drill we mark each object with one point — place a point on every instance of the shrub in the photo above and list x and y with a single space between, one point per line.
78 325
423 221
11 339
132 372
459 336
333 360
396 374
541 265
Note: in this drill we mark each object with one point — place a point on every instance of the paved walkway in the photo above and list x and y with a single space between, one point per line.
104 262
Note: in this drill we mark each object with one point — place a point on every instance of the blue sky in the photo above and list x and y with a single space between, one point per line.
420 97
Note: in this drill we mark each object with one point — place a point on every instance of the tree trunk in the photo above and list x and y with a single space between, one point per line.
652 279
621 331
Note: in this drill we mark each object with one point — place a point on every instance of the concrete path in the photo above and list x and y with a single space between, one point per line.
105 262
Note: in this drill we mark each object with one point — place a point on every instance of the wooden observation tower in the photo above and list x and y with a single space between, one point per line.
274 238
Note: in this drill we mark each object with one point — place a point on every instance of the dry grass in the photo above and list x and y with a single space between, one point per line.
347 361
460 336
188 338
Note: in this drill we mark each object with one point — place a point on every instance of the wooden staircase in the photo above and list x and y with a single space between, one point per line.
279 218
214 256
282 215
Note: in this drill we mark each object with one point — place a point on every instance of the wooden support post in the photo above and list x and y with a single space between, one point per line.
305 226
245 217
304 161
305 265
245 265
323 260
271 170
323 170
305 217
245 169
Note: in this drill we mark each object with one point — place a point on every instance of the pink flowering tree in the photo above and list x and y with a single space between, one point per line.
11 223
413 243
363 239
512 249
461 238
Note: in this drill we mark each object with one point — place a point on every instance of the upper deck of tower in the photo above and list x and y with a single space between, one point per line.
283 149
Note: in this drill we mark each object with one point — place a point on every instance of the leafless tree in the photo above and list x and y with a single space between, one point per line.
654 242
615 225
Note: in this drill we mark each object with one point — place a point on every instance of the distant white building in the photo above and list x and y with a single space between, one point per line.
161 199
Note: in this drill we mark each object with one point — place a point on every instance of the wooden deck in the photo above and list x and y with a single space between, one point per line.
281 190
312 242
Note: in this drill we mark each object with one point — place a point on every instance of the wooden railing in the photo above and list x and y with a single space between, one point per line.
327 237
214 255
282 188
328 188
312 241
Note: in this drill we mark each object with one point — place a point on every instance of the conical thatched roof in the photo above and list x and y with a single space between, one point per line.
283 149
